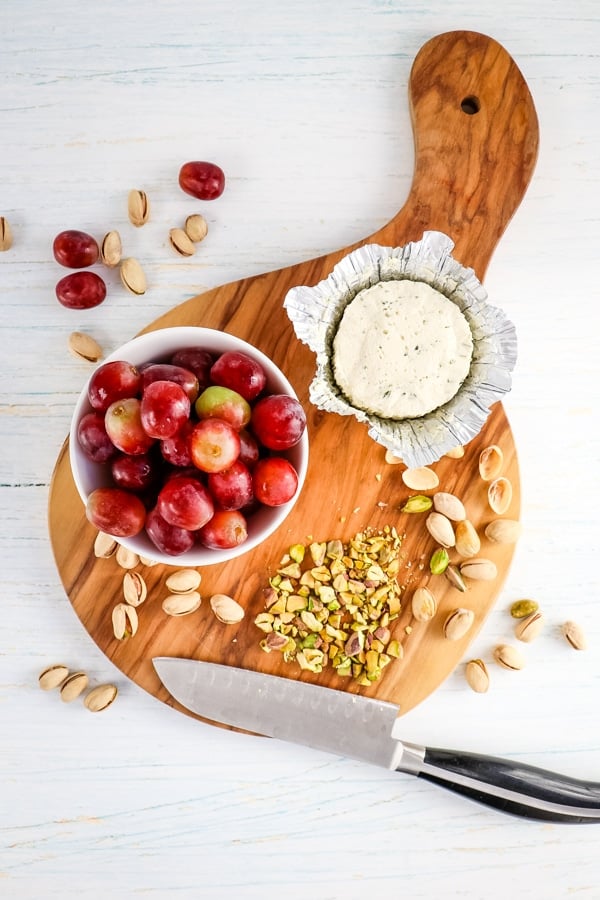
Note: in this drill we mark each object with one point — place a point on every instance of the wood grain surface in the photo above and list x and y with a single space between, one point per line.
476 137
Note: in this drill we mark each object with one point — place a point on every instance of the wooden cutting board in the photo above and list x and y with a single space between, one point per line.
476 139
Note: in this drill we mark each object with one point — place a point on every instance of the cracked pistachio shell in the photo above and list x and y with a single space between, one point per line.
458 623
529 628
100 697
440 528
423 604
105 545
479 569
132 276
420 479
111 249
491 461
138 207
226 609
181 604
574 635
181 243
125 558
196 228
53 677
509 657
500 495
134 588
73 686
183 580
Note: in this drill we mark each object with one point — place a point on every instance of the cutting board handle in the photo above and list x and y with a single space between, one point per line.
476 142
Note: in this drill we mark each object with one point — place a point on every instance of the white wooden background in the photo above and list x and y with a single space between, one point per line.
303 104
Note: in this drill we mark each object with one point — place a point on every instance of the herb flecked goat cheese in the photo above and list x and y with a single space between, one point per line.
401 350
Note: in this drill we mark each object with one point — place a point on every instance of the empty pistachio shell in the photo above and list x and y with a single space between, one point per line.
423 605
440 528
391 459
503 531
226 609
6 238
148 562
100 697
477 676
467 539
111 249
84 346
479 569
529 628
450 506
181 243
125 621
458 624
138 207
73 686
196 228
105 545
183 580
491 461
574 635
134 588
420 479
456 452
500 495
53 677
125 558
181 604
509 657
132 276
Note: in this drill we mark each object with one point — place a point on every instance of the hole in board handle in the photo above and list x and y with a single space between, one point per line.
470 105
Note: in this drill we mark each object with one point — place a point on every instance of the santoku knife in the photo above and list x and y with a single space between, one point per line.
349 725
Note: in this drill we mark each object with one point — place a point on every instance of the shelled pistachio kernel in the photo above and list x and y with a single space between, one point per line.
439 561
183 581
196 228
6 238
84 346
53 677
125 621
418 503
477 675
452 573
73 686
574 635
180 242
226 609
138 207
100 697
132 276
520 609
111 249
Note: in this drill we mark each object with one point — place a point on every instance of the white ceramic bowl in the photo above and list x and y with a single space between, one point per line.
158 346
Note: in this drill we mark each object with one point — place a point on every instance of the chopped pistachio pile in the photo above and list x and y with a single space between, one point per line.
332 603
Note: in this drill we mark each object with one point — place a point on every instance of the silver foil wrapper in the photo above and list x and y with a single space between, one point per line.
316 311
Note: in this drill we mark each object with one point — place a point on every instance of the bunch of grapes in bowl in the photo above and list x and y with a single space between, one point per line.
189 443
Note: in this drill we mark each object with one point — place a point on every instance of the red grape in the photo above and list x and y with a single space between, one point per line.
214 445
124 426
185 378
226 529
81 290
112 381
164 408
93 439
197 361
75 249
176 449
232 488
278 421
275 481
249 451
239 372
167 538
222 403
185 502
115 511
203 180
134 473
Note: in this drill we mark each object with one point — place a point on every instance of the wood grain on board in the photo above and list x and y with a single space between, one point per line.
476 138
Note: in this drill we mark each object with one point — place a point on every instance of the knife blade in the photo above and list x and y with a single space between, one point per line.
361 728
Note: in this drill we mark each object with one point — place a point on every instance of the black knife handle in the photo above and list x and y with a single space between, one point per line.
512 787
